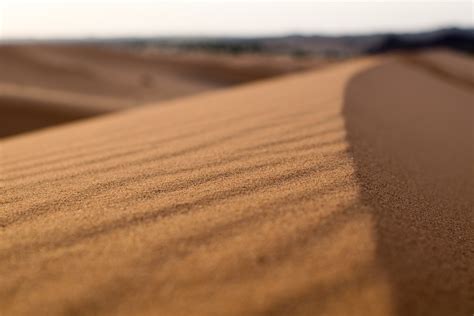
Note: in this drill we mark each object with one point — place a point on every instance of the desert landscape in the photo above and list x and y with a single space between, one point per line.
322 192
294 173
43 85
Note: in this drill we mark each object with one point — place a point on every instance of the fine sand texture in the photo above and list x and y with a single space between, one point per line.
47 84
342 191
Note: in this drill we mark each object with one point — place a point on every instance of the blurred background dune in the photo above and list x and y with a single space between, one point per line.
67 60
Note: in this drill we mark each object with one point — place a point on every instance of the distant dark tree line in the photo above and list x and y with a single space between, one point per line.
461 40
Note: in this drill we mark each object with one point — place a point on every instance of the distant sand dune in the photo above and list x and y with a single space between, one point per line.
43 85
343 191
451 65
26 108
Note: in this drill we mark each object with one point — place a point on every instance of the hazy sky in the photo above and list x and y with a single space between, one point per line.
98 18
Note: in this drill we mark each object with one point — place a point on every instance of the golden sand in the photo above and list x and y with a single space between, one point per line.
344 191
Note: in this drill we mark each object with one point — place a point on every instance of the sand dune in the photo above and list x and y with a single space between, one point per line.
43 85
26 108
345 191
453 66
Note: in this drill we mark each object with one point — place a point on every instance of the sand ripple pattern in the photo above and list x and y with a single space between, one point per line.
272 198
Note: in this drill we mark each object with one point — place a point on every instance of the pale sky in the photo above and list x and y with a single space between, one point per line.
112 18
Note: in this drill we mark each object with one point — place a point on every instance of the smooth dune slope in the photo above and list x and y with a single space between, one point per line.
346 191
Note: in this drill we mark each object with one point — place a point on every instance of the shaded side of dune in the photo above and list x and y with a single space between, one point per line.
25 108
21 115
411 135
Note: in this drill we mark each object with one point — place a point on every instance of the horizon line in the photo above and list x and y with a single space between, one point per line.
103 37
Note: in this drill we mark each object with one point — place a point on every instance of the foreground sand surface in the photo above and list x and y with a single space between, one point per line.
344 191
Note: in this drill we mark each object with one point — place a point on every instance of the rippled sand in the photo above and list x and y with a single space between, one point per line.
343 191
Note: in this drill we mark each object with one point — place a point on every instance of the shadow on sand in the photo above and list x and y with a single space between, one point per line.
411 137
